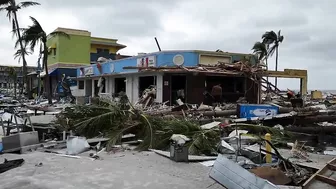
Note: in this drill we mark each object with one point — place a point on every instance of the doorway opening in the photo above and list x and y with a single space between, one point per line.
146 82
120 85
232 87
88 88
178 88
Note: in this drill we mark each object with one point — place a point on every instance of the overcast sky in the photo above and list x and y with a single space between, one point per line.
229 25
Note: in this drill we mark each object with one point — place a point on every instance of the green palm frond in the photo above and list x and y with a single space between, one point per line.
33 35
11 7
18 54
27 4
272 39
260 50
269 37
204 142
5 2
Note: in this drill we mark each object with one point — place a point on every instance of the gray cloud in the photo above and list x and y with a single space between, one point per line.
117 18
231 25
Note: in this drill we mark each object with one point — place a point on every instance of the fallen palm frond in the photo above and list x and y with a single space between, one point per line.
115 120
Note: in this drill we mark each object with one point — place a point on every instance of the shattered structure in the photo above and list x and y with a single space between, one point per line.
215 108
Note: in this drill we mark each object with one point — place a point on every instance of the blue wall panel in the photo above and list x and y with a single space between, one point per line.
191 58
166 59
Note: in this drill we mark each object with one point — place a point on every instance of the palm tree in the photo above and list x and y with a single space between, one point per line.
12 7
34 35
273 39
261 50
13 75
18 55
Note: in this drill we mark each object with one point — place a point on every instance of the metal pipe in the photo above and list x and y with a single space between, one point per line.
157 43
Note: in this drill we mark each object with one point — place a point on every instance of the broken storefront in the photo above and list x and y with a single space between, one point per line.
185 75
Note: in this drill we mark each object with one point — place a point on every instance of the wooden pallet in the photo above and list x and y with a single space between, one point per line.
324 178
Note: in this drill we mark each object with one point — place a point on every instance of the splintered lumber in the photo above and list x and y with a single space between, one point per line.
300 120
314 129
219 113
223 113
324 178
290 109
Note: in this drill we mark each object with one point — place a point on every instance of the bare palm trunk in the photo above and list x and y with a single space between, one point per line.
15 88
46 77
267 70
24 66
276 65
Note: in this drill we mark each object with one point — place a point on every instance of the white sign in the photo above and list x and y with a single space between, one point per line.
264 112
88 70
147 61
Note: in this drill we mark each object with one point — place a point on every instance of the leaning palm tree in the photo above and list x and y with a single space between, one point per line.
12 7
13 75
34 35
260 49
273 39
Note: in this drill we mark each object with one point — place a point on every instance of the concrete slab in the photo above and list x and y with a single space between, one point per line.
121 170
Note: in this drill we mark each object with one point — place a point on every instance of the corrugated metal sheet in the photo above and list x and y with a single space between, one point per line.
232 175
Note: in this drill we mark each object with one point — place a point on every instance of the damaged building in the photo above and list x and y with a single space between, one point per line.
186 75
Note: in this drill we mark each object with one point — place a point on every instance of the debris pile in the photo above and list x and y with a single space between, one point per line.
275 143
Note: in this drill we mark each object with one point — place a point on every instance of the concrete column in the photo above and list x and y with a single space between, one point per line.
159 88
93 86
129 88
135 88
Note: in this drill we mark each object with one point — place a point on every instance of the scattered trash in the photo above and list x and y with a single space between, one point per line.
76 145
208 163
39 164
330 152
274 175
179 139
69 156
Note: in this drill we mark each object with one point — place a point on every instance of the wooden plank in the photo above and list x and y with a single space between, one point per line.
331 167
318 176
326 179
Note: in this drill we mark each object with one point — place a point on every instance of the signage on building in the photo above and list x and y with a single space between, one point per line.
148 61
210 60
88 70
